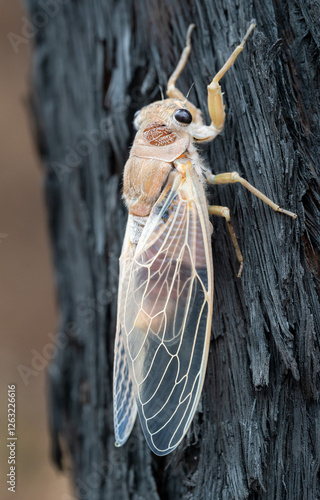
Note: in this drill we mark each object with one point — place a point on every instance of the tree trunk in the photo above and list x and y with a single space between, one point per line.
256 434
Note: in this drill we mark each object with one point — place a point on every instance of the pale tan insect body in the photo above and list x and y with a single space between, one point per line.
166 274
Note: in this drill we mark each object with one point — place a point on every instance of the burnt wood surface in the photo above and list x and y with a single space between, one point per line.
256 434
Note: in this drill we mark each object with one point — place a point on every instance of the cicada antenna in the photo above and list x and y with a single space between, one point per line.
161 91
189 90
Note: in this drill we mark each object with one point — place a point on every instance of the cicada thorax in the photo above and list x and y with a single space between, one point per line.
157 134
157 145
143 182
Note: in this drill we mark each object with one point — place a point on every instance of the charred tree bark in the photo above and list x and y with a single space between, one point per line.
256 434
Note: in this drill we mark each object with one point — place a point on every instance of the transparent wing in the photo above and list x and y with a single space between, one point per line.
165 313
124 404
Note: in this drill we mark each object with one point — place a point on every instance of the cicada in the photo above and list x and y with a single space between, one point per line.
166 275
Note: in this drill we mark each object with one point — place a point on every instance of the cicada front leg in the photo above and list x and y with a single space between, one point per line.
215 98
201 132
172 90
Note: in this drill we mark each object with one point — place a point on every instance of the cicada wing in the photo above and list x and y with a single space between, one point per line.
167 313
124 403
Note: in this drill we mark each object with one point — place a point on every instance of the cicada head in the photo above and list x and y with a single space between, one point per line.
170 112
175 117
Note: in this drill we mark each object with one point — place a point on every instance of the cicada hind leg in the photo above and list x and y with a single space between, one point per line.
230 178
225 212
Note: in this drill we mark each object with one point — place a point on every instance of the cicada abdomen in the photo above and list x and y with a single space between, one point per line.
165 309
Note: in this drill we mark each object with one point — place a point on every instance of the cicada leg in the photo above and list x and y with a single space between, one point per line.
231 177
172 91
215 98
225 212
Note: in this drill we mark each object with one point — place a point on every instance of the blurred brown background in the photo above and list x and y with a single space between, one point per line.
27 302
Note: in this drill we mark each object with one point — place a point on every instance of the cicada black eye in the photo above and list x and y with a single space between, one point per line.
183 116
